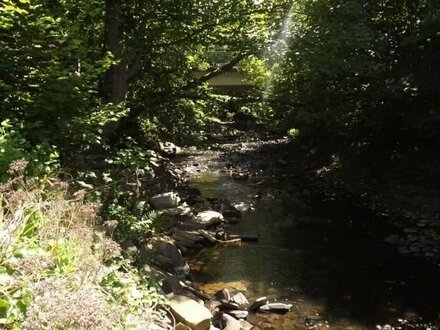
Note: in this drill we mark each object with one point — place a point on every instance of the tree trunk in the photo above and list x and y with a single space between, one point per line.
116 79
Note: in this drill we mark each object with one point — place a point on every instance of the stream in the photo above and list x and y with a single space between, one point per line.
327 258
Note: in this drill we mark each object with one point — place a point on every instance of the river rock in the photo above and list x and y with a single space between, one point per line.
229 305
229 323
213 306
229 211
165 201
242 207
193 297
171 285
240 299
239 314
257 304
177 211
191 313
165 254
275 308
209 218
245 325
187 238
181 326
222 295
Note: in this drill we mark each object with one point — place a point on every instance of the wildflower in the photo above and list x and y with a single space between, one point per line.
17 167
58 306
32 264
110 248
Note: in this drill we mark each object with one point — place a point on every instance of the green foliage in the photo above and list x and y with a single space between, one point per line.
12 147
43 158
120 188
257 70
357 78
58 271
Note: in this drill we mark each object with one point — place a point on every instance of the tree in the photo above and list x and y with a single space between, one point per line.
358 76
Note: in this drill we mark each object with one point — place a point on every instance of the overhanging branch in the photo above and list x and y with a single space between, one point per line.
237 59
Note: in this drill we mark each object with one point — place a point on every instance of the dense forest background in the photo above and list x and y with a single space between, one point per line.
89 88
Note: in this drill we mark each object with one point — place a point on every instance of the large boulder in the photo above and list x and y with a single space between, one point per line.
165 201
191 313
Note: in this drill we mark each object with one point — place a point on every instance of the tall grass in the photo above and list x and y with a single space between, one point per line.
58 268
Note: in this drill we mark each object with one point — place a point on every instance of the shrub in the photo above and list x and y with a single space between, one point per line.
58 270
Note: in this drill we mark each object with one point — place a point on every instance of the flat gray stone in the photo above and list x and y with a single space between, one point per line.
190 312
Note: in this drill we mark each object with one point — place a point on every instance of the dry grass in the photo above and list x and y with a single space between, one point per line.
57 270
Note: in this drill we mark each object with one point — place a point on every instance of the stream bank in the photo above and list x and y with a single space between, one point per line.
324 255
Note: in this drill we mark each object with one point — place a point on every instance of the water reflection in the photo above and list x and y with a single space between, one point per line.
335 275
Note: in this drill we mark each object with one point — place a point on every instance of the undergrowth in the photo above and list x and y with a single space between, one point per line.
59 266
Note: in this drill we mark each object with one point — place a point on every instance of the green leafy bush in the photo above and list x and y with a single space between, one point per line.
12 147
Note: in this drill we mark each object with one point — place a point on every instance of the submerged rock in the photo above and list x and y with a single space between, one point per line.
190 312
275 308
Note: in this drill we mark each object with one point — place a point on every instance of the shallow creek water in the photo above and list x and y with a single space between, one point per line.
335 270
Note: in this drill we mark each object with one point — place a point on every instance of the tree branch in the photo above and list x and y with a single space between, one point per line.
237 59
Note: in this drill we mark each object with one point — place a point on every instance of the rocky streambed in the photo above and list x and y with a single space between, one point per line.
251 225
